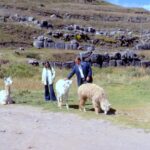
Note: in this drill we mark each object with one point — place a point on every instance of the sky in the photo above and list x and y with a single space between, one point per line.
132 3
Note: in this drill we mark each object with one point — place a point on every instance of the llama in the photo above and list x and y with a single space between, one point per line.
5 94
96 94
62 90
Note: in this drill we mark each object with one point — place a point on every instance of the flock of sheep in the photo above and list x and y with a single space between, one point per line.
86 91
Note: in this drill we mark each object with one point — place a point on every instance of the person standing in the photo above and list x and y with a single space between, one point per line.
83 72
48 75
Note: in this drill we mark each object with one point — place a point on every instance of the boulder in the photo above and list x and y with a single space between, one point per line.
41 38
43 24
145 63
97 58
143 46
112 63
38 44
30 18
33 62
119 63
60 45
105 64
68 64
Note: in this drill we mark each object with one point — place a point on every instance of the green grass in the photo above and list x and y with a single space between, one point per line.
127 88
12 35
128 94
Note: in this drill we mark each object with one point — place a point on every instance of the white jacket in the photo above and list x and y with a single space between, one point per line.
50 74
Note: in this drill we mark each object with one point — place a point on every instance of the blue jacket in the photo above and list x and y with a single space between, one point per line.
87 71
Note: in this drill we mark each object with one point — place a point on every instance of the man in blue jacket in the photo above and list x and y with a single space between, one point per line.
82 70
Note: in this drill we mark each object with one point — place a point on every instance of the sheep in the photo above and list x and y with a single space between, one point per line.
96 94
5 94
62 90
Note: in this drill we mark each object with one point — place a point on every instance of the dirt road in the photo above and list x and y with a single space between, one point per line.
24 128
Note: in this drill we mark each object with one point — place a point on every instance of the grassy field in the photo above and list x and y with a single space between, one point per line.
127 90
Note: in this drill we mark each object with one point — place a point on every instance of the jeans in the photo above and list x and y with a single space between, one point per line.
49 93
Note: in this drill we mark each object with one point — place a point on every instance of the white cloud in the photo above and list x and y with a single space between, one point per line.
147 6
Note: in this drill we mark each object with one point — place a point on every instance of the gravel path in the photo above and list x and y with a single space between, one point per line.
25 128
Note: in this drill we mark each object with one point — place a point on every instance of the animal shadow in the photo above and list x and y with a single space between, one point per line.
74 106
112 111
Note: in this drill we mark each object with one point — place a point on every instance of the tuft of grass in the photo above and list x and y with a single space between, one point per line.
106 39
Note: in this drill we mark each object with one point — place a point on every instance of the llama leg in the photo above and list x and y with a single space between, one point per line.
81 104
67 106
66 101
96 107
59 101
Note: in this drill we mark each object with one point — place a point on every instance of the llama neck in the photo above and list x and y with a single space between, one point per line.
7 88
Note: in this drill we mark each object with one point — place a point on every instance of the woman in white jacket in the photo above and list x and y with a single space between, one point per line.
48 75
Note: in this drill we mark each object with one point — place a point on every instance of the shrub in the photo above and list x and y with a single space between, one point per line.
20 70
2 72
33 55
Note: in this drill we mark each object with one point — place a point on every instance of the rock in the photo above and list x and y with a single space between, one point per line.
112 63
57 64
38 44
67 46
30 19
136 63
129 55
74 46
106 57
33 62
89 47
145 63
70 28
57 34
60 45
117 56
47 43
68 64
84 55
96 65
143 46
41 38
105 64
119 63
53 16
45 24
91 30
76 27
36 22
51 45
97 58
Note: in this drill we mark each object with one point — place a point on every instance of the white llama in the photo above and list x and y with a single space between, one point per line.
5 94
62 90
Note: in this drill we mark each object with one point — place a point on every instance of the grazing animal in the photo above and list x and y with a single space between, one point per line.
62 90
96 94
5 94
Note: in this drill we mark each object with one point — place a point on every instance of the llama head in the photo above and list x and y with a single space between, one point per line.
8 81
67 84
105 106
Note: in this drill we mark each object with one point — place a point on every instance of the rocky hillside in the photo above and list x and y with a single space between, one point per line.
84 25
